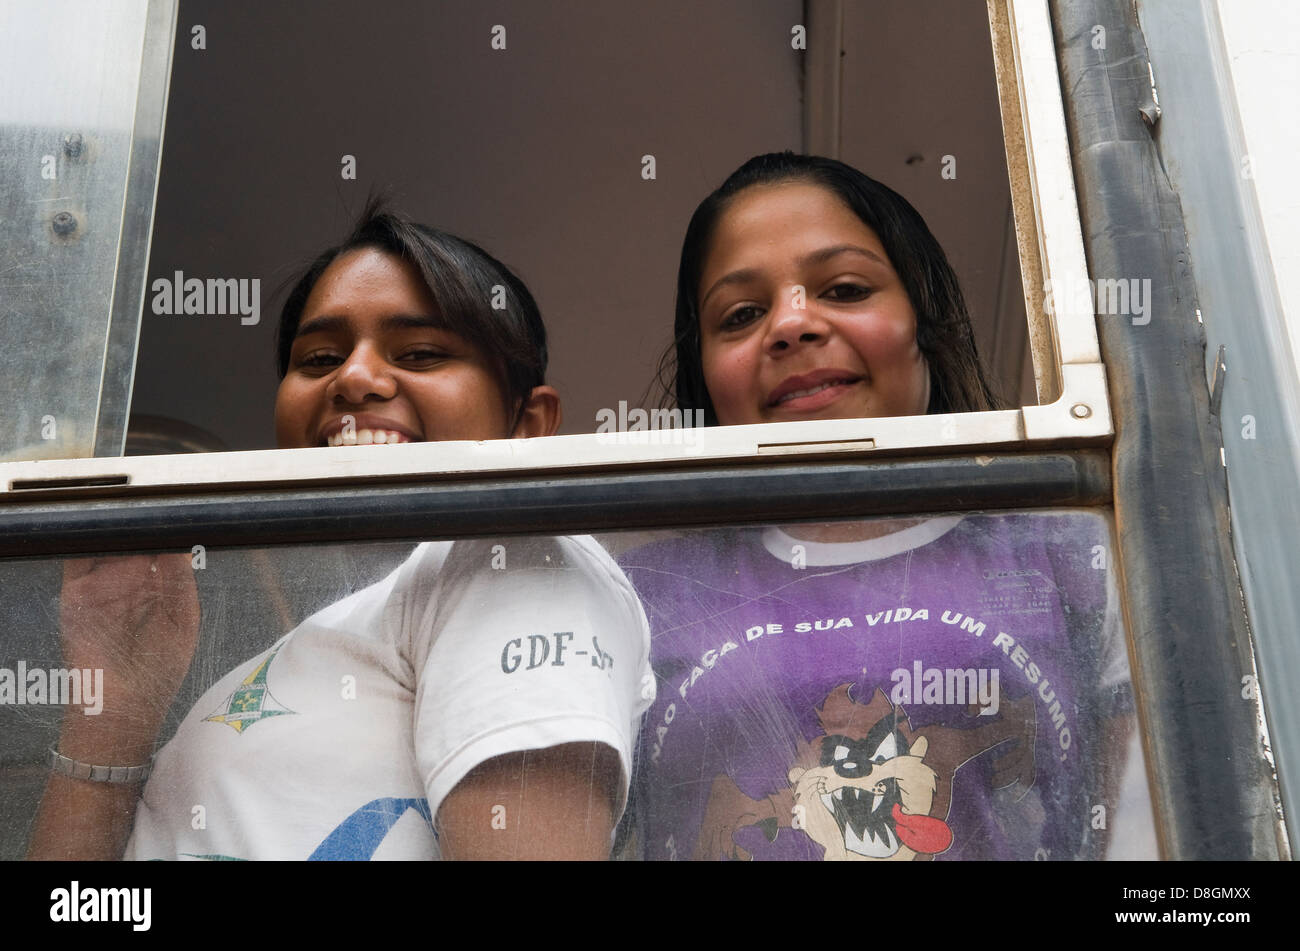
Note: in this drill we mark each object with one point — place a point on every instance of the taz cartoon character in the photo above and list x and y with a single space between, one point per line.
870 787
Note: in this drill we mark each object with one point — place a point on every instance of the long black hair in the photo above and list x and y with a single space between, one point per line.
943 328
477 297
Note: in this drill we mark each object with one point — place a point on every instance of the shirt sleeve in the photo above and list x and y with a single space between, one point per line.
521 644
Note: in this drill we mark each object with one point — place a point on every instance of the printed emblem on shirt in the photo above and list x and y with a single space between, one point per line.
869 787
252 701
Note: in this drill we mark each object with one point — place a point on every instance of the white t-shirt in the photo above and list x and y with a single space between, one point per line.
342 739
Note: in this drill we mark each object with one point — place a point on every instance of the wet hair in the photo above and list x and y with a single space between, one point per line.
464 282
943 328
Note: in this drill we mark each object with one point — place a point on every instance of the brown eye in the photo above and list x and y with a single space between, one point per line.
741 316
320 361
423 357
848 292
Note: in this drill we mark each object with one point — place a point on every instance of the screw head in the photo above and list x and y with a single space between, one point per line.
64 223
72 144
1080 410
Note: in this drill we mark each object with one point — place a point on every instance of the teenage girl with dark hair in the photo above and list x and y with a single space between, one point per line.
887 690
906 262
396 723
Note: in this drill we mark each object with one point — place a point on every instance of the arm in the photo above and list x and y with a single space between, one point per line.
80 819
556 803
532 679
136 618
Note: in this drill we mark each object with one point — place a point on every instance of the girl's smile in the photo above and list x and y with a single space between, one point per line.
802 315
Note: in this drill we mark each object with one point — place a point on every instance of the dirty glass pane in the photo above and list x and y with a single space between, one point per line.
336 696
953 687
82 93
922 688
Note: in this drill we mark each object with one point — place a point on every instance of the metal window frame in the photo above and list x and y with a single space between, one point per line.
1215 791
1203 149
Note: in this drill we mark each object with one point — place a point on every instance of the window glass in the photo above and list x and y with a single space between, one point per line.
949 687
78 162
954 687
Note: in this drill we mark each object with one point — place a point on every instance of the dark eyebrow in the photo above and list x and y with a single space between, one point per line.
825 254
331 323
743 276
821 256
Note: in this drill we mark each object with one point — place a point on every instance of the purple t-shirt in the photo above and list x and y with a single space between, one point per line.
938 692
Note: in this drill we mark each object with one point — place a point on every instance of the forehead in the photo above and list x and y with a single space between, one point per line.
369 281
785 220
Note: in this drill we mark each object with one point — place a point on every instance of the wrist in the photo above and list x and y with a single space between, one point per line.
112 741
118 775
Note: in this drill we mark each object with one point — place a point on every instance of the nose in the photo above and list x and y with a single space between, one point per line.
794 322
851 769
364 376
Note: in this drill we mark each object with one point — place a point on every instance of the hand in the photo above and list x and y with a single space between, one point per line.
136 617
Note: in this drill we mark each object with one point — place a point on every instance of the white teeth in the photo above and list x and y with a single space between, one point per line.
880 846
816 389
878 799
839 793
367 437
828 801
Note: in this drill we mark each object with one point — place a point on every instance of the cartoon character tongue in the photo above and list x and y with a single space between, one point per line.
924 834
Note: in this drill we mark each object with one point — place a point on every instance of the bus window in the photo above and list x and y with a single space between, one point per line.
575 150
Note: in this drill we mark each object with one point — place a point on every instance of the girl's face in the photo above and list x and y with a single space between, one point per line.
802 315
369 346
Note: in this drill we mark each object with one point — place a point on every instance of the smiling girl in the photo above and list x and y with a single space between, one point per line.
407 720
888 690
788 285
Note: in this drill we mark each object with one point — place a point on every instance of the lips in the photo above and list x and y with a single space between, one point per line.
804 388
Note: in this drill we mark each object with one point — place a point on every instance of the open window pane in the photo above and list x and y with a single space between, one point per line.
590 200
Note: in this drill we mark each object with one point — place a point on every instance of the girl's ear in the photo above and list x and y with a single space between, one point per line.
540 415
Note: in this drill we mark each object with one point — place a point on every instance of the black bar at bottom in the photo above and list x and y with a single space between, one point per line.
558 505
